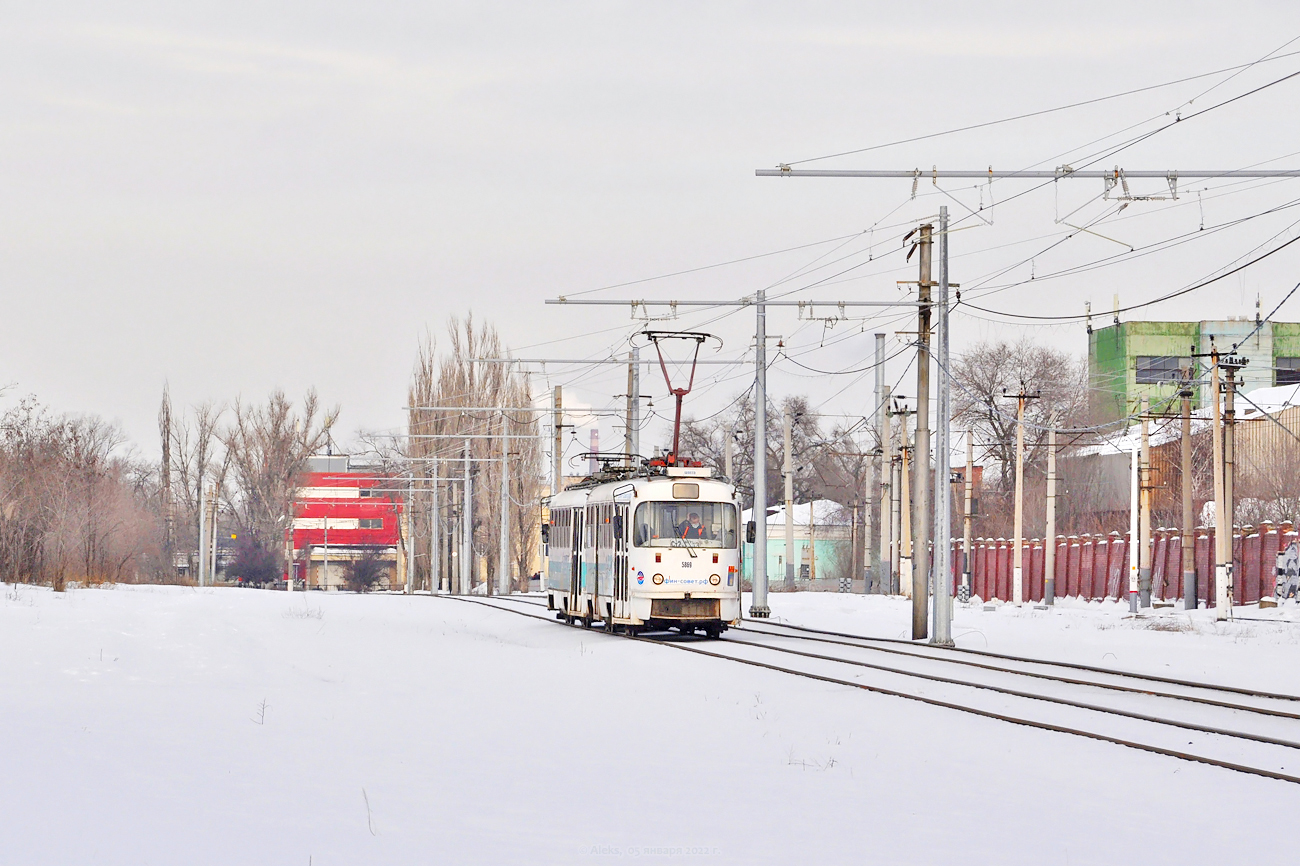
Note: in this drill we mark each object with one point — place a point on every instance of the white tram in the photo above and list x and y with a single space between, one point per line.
654 548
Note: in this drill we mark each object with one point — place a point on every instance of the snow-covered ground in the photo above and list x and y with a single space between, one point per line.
171 725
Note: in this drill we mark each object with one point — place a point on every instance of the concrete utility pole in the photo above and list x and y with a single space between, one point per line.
435 576
1232 363
213 504
1144 513
1220 575
325 551
557 446
1017 572
758 602
503 539
812 540
1133 532
870 560
787 470
1049 548
942 459
727 458
896 526
628 450
885 562
966 517
408 517
921 459
1189 527
467 530
635 421
906 565
203 531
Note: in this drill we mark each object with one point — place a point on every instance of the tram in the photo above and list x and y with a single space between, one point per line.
654 546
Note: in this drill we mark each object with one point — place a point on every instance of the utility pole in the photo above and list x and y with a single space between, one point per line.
727 458
758 608
1189 528
467 530
557 447
214 504
1232 363
870 561
921 458
942 459
435 577
203 531
1220 569
635 415
1144 514
812 540
788 471
896 525
1133 531
1017 572
906 566
631 401
503 536
408 517
1049 549
966 517
325 551
885 561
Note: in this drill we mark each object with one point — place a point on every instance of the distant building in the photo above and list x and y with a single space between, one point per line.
343 510
821 550
1130 360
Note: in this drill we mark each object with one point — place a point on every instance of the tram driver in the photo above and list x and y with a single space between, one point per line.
693 528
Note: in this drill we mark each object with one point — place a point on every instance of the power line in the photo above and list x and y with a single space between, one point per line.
988 123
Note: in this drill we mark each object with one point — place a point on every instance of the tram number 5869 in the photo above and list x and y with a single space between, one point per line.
686 564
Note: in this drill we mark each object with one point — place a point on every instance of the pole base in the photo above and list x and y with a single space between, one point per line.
1133 601
760 612
943 643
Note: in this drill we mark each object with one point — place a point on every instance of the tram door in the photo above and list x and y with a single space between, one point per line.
591 559
620 531
575 561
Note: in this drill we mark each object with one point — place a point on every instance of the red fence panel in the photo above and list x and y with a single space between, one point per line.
1035 576
1247 586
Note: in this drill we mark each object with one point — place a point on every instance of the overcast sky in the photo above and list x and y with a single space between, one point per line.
234 197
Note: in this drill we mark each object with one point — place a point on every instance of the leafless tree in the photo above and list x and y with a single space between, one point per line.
75 507
439 383
267 447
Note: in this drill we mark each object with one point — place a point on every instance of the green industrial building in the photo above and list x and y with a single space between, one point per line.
1130 360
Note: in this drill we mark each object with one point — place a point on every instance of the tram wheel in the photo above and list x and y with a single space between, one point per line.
714 632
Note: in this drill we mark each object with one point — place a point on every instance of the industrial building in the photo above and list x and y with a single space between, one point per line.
1130 360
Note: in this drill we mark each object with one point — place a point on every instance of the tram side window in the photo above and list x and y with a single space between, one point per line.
685 524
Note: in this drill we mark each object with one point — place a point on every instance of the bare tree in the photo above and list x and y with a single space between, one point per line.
989 375
267 448
74 506
454 379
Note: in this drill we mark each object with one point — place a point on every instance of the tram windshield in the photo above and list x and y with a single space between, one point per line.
685 524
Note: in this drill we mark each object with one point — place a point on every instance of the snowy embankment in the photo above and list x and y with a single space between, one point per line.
171 725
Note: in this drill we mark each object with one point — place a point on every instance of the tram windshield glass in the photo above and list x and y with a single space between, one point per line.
685 524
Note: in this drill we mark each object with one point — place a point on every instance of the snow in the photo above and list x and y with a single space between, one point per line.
403 729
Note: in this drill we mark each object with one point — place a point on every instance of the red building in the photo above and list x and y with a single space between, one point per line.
341 511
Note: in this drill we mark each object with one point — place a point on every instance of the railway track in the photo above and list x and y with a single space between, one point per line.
1256 733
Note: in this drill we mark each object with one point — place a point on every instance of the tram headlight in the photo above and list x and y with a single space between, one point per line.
658 579
715 579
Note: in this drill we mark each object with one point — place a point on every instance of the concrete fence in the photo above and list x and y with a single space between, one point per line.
1096 566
